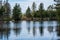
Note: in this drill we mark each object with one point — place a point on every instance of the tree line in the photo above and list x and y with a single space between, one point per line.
16 14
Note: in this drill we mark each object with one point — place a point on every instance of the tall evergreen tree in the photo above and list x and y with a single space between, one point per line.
33 8
28 13
17 12
7 11
51 12
41 9
57 7
1 13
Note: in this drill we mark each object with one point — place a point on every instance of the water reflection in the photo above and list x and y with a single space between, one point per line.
28 26
58 29
58 39
50 29
1 34
4 30
41 28
6 33
32 30
17 28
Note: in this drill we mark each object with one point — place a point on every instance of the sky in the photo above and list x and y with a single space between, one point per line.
25 3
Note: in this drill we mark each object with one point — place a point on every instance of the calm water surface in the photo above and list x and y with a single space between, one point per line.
29 30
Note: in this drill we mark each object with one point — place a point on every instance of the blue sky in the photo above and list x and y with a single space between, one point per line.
25 3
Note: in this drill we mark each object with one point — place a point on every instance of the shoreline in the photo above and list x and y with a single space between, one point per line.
30 19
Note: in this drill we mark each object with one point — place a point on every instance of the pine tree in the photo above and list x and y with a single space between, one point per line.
28 13
33 9
17 12
41 10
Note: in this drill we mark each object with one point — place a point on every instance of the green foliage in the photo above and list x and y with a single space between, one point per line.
41 7
34 6
36 15
45 14
7 9
58 14
41 10
33 9
28 13
5 12
17 12
1 11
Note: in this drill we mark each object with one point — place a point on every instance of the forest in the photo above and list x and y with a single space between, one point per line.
15 14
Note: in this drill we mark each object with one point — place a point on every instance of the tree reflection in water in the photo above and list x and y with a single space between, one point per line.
50 29
4 30
34 28
1 33
41 28
58 30
6 33
34 31
58 39
28 26
17 28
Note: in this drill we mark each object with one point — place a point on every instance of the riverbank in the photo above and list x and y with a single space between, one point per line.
39 19
31 19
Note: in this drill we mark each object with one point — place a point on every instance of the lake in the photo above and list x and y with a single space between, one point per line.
29 30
